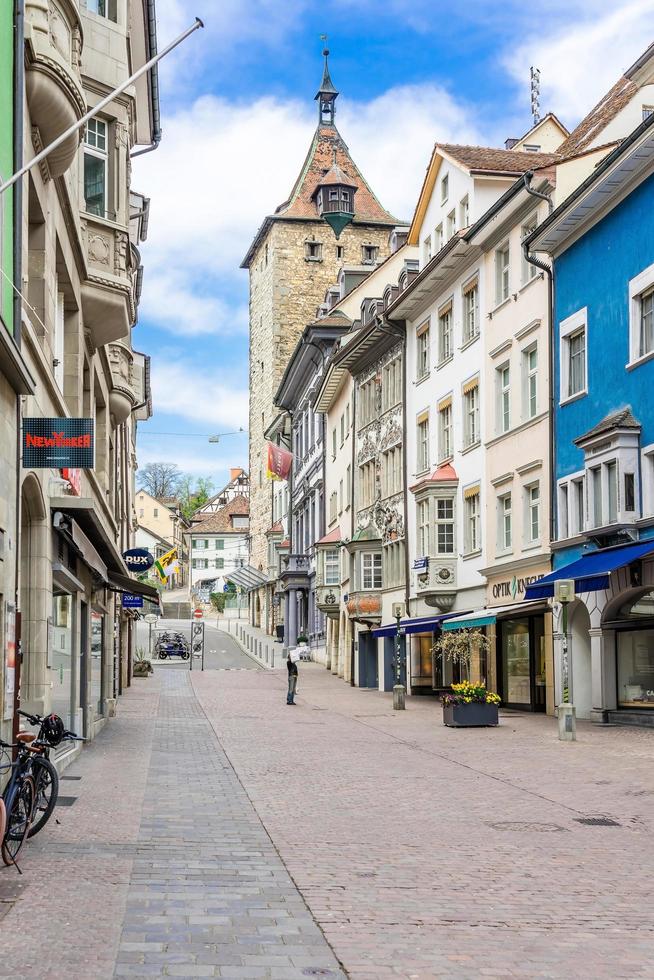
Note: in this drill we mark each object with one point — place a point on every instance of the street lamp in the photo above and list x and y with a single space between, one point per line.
564 592
398 690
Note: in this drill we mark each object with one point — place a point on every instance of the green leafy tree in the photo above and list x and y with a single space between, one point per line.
218 601
194 494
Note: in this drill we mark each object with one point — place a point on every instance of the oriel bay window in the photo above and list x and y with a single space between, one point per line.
95 167
445 526
423 528
371 570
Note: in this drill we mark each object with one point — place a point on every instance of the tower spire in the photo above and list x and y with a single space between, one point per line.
327 93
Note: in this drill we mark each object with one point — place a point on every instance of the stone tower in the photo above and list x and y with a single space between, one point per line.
294 258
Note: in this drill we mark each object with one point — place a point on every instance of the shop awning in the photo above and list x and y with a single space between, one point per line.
591 573
123 583
486 617
247 577
423 624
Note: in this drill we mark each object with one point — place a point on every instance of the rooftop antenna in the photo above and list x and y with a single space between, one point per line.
535 94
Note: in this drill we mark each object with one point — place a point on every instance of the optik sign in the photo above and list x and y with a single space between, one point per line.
138 559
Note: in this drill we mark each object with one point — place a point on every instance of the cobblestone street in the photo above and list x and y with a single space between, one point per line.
215 833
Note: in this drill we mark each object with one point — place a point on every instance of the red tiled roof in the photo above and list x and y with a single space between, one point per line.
488 159
276 528
599 116
332 537
318 163
221 521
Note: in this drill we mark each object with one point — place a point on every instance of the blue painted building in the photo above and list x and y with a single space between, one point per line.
601 243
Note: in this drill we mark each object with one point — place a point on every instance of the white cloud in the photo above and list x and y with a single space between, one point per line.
199 394
187 309
584 55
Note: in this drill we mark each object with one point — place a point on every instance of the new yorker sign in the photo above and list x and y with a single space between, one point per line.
58 444
514 587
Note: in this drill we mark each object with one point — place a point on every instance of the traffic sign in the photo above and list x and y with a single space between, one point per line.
197 614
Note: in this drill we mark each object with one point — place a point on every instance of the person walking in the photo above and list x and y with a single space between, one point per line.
291 666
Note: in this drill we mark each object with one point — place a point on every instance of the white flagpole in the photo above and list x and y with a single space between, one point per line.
98 108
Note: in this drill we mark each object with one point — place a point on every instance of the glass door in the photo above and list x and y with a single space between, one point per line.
97 658
61 644
522 657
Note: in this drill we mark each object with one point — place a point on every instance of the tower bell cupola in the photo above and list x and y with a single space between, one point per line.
326 96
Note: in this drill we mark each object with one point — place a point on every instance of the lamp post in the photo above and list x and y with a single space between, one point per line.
150 618
564 592
398 690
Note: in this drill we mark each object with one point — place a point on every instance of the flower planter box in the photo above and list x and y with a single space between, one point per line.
470 715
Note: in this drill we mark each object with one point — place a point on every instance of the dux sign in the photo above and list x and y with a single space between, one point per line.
58 444
138 559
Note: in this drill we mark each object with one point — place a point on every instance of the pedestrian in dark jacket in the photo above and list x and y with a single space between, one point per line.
291 666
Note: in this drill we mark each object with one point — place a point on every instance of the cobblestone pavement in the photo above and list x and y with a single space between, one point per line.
431 852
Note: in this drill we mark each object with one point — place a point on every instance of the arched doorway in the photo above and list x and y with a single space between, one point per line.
580 666
35 595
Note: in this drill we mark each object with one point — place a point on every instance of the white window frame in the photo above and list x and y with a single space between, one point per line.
445 447
470 302
445 188
502 273
438 239
371 566
423 527
568 329
422 445
503 411
445 522
529 382
445 335
426 246
504 523
451 224
332 567
464 211
532 506
92 149
529 270
422 354
641 285
472 523
107 9
472 434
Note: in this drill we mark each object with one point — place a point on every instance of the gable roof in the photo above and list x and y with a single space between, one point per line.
328 148
486 159
221 521
618 96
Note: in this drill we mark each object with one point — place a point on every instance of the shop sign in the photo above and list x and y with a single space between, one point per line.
132 601
138 559
514 587
10 660
74 478
58 444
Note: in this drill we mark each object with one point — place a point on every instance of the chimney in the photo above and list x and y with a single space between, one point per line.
234 473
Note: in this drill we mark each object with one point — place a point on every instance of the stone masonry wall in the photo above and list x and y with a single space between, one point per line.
286 289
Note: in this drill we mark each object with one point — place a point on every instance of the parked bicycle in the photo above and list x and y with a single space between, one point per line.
18 799
46 779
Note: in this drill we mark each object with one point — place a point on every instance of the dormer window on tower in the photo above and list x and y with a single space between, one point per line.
334 197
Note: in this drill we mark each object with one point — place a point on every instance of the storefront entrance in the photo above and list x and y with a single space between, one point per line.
521 662
368 663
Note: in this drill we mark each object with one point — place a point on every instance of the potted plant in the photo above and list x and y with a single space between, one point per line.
468 704
302 640
142 666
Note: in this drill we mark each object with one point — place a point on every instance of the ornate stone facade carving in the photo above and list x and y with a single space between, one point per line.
99 249
120 253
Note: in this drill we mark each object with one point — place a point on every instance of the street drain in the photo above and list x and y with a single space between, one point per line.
70 777
66 800
317 971
598 821
518 827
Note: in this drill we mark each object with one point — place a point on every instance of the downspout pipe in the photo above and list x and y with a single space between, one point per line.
549 272
19 89
154 82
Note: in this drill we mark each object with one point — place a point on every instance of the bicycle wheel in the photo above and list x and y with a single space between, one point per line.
46 781
18 821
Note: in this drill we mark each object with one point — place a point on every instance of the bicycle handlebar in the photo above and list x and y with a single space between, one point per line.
33 719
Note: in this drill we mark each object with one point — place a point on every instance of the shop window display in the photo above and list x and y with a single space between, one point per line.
97 643
60 656
635 648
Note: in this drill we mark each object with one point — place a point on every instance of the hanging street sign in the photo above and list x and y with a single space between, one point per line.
138 559
58 444
132 601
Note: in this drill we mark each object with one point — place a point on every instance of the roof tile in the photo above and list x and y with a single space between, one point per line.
487 158
222 520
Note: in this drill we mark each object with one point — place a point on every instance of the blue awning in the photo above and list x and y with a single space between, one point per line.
591 572
423 624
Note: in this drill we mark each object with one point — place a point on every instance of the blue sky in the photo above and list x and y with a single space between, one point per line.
238 115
